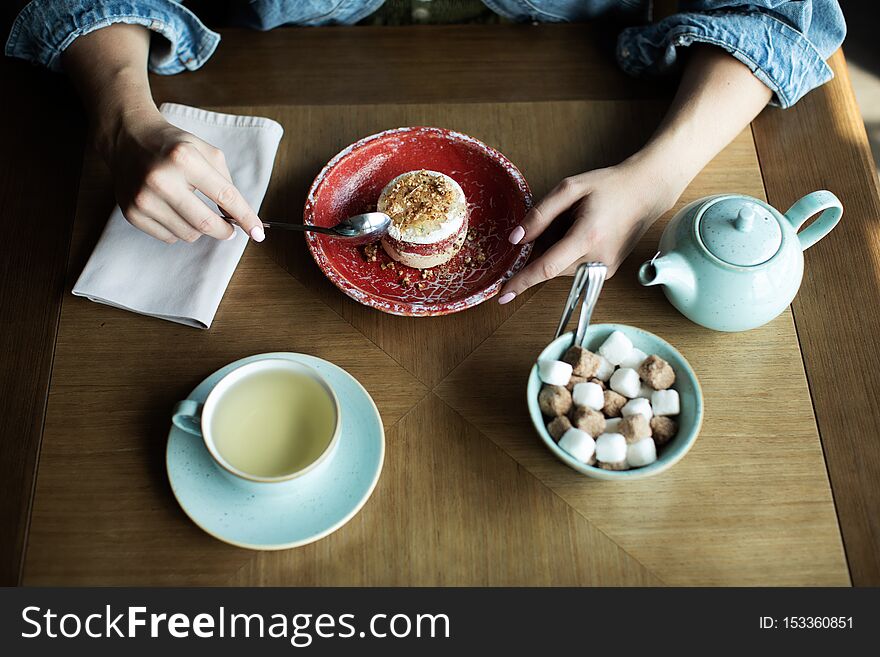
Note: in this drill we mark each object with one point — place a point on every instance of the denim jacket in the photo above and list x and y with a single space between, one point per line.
783 42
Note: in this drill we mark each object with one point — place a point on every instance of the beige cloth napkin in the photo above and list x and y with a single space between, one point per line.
183 282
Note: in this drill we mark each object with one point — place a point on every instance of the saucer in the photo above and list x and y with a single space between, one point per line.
309 507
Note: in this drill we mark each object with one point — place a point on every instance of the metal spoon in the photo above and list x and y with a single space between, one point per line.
359 229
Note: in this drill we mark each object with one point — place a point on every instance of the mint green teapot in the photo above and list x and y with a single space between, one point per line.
732 263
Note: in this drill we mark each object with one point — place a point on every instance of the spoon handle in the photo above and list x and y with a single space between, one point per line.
302 228
587 283
596 272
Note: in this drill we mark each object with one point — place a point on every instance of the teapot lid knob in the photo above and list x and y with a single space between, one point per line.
745 220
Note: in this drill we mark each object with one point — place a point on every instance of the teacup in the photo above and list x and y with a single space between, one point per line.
265 423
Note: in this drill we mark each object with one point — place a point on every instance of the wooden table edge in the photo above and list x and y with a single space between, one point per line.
847 170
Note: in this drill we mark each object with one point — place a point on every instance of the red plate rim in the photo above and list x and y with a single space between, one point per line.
395 308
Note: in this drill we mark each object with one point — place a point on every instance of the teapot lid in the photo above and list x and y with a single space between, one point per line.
739 232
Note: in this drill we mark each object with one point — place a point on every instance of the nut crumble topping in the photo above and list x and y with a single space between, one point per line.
419 202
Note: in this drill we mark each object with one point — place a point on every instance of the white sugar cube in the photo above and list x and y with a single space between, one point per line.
634 358
645 391
554 372
637 406
625 381
612 423
665 402
579 444
611 448
588 394
616 348
605 369
641 453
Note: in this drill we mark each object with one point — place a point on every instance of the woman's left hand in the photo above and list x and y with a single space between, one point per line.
611 209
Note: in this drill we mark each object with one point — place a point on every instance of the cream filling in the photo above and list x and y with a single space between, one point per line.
449 227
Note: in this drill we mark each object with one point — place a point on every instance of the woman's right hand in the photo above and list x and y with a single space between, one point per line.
157 168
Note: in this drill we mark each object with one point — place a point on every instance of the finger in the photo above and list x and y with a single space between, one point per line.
557 201
552 263
198 215
150 226
215 156
217 187
159 210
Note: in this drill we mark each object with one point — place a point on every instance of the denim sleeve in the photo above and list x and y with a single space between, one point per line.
44 28
783 42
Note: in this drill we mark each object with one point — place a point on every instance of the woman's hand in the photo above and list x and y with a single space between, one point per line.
610 210
157 168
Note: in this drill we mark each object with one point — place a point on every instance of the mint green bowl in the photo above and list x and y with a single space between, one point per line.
690 419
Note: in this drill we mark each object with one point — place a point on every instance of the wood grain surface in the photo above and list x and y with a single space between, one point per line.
104 513
42 133
409 64
821 144
468 494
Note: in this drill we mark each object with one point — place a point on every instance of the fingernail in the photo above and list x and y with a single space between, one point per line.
231 235
257 234
506 298
516 236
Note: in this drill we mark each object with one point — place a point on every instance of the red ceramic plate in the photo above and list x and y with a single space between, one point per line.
350 184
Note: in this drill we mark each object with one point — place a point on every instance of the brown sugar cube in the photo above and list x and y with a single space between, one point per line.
614 466
613 403
599 382
583 361
554 400
586 419
664 429
558 426
573 381
634 428
656 372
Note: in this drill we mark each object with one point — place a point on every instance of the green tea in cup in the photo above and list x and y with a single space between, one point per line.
266 421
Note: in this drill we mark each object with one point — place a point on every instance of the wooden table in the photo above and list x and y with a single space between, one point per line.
782 487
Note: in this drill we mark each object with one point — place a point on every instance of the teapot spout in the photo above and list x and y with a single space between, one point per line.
671 270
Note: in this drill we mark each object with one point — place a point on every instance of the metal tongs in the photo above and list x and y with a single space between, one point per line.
588 281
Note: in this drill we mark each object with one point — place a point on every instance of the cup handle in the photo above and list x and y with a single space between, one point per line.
188 416
822 201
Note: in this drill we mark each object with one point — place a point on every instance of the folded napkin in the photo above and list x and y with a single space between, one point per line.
183 282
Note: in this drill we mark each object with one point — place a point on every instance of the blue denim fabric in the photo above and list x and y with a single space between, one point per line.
45 28
783 42
267 14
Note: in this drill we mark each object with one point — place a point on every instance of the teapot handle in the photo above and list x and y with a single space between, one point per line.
822 201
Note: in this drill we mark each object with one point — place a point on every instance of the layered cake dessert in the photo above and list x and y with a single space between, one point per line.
429 220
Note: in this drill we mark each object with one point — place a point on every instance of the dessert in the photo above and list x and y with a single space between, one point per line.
554 400
657 373
558 426
583 362
614 402
580 445
663 428
429 218
615 428
634 428
586 419
589 394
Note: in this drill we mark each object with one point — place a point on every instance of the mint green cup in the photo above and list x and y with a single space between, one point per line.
690 419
